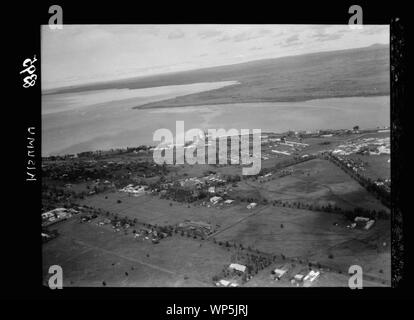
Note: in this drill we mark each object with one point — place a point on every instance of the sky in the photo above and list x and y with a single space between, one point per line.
80 54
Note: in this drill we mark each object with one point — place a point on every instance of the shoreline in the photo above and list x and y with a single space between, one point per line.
153 105
267 132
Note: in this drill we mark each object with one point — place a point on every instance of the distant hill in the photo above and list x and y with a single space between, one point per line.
353 72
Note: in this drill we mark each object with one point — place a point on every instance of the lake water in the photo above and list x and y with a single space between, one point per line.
104 119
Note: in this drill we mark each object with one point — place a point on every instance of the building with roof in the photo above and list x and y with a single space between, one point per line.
312 276
215 199
251 205
279 273
238 267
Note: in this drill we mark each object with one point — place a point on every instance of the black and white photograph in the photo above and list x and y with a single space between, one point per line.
116 212
217 158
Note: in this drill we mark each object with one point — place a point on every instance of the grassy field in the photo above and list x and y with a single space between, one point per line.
313 236
377 165
90 255
326 278
150 209
317 182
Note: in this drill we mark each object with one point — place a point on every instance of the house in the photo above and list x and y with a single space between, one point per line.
361 219
223 283
228 201
369 224
279 273
58 213
312 276
238 267
54 212
252 205
212 189
215 199
298 277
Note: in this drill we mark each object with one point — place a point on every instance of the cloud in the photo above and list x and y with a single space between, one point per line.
255 48
264 32
245 36
153 31
176 34
291 39
324 36
370 30
288 42
225 38
210 34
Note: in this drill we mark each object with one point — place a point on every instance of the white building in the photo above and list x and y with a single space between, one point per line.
298 277
215 199
279 273
361 219
312 276
252 205
59 212
223 283
369 224
238 267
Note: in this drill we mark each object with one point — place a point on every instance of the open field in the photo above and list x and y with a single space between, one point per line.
150 209
200 170
316 182
313 236
326 278
377 166
90 254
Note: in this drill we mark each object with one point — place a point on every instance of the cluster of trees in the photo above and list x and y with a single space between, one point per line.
77 171
180 194
53 196
101 153
190 233
379 192
123 221
349 213
254 262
